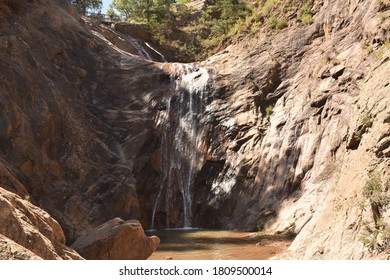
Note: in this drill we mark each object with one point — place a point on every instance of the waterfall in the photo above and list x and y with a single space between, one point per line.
181 143
137 45
156 51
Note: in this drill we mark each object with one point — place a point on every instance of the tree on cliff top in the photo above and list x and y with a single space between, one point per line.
142 10
83 6
222 15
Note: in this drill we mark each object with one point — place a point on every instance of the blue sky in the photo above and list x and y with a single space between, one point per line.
106 3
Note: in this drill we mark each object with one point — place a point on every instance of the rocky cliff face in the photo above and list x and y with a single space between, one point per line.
298 117
287 132
76 113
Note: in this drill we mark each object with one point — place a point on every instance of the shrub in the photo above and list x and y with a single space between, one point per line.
282 23
255 28
307 19
377 239
374 191
267 7
275 23
306 14
367 120
290 234
271 22
268 111
183 1
382 50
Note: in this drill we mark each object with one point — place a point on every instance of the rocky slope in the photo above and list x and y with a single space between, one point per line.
288 129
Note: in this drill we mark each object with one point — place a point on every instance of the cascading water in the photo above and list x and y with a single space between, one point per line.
141 51
181 143
156 51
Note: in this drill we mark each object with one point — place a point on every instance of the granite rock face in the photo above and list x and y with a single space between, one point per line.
28 232
299 121
10 250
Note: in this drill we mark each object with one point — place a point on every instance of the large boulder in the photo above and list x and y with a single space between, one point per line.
28 232
116 240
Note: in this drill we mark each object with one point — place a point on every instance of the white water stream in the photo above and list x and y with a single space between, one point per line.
180 141
141 51
156 51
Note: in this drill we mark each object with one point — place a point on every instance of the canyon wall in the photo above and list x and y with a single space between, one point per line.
287 127
298 118
76 118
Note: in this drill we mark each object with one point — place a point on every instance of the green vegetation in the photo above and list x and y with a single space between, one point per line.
229 13
268 111
262 233
220 21
307 18
196 34
376 194
84 6
306 14
184 1
382 50
384 16
275 23
290 234
255 28
155 14
367 120
143 11
376 238
266 8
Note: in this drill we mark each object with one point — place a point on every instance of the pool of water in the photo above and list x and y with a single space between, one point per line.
195 244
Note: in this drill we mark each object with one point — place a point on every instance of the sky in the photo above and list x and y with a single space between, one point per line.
106 3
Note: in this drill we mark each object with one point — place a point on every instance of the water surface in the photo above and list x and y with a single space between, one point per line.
194 244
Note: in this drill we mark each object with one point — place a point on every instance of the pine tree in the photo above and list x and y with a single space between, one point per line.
127 8
83 6
148 11
225 14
